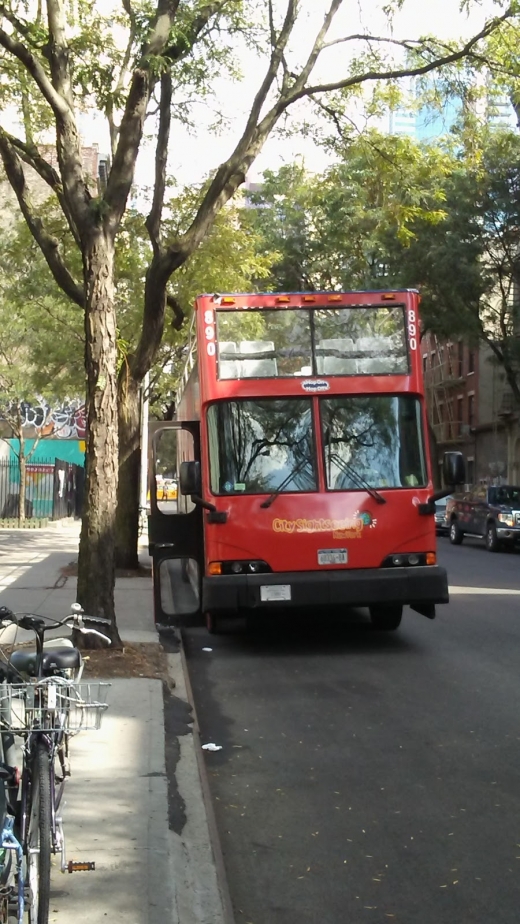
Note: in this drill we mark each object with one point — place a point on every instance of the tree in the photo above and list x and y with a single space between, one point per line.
52 68
338 229
18 391
468 266
227 260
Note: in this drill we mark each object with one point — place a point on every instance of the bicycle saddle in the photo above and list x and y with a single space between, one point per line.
53 659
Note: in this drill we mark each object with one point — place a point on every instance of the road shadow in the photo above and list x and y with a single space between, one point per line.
299 632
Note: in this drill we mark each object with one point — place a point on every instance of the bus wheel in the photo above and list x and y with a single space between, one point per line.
211 623
386 618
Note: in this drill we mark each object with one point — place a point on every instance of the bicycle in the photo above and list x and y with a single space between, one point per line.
43 702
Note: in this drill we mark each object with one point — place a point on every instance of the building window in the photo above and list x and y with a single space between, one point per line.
471 361
460 358
425 362
471 410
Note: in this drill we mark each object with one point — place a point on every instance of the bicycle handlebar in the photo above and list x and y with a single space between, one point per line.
75 620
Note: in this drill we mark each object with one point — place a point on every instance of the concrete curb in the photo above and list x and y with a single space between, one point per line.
218 908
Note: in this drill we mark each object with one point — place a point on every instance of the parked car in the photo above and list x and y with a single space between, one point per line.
442 526
489 512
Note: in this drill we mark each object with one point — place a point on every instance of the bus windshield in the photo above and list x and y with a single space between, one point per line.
261 446
267 445
274 343
376 439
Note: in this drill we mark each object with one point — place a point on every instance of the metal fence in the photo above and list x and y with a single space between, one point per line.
54 489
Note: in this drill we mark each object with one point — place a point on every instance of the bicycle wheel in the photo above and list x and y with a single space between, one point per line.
39 836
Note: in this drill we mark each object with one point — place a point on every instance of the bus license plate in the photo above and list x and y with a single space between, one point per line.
275 592
332 556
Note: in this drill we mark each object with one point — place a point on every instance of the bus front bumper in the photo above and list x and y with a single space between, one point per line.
420 587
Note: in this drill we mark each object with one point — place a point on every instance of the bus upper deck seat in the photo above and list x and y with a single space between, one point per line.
376 361
257 367
227 368
332 357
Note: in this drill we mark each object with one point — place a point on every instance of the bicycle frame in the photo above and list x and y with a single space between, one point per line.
57 836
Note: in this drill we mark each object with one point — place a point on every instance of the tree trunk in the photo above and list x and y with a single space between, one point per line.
22 465
127 521
96 566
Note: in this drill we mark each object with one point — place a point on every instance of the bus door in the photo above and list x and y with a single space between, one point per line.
175 536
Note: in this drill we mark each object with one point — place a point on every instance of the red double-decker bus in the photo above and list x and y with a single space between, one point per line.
301 454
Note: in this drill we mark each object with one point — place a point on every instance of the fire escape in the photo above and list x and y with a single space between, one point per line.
442 380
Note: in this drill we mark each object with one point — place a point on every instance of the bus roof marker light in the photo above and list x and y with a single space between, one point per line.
282 299
388 297
227 301
335 298
309 298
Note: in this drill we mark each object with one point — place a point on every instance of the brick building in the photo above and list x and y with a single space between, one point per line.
471 409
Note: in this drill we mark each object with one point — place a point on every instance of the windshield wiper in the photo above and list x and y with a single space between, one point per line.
295 471
356 477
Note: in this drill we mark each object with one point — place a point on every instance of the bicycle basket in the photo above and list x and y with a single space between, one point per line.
48 705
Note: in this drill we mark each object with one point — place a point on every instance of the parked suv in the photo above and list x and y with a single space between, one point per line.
489 512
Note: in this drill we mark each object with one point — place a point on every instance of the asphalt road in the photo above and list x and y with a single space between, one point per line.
367 776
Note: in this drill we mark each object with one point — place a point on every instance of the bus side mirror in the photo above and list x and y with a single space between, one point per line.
453 468
190 481
453 473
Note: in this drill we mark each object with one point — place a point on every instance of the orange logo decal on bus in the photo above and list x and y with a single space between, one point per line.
349 528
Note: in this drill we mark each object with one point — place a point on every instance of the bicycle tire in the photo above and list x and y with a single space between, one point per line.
38 844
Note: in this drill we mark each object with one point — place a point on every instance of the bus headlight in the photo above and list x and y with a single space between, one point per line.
409 559
255 566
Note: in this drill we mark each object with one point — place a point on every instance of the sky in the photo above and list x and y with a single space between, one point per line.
192 157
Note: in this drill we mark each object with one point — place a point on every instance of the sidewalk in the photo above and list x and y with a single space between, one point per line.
148 871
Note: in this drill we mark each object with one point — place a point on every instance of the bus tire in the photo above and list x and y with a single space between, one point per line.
456 534
211 623
386 617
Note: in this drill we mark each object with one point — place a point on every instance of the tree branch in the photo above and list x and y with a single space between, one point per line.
37 72
178 313
395 73
153 222
69 152
48 244
141 88
17 24
30 155
109 111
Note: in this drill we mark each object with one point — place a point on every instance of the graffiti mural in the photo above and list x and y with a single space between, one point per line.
67 422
